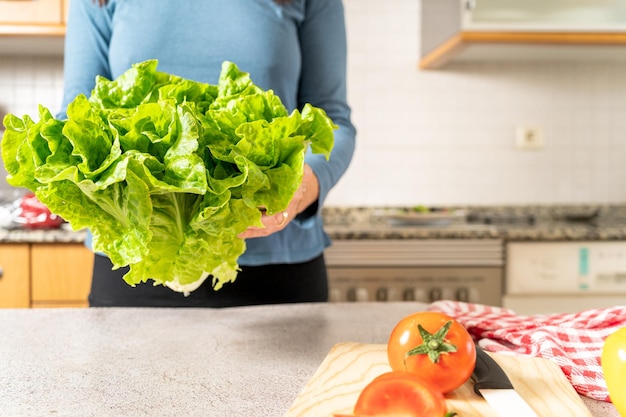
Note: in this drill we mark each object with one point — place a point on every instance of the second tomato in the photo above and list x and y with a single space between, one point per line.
433 346
400 394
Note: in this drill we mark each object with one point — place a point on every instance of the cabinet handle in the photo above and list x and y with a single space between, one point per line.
1 272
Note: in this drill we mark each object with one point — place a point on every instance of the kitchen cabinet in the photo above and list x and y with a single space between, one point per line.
31 12
60 274
488 30
32 26
14 274
44 275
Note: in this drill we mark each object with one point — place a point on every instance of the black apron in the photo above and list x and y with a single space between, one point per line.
266 284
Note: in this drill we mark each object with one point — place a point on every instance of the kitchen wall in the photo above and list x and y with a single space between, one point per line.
26 82
444 137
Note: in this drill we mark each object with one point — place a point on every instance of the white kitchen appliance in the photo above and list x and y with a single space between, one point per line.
553 277
426 270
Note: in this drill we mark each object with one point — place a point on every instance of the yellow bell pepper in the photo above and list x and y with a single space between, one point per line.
614 368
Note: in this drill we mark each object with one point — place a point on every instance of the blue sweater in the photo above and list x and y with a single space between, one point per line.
298 50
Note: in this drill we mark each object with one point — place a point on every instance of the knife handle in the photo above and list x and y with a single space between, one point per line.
488 374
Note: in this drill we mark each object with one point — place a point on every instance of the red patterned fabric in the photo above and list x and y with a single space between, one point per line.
571 340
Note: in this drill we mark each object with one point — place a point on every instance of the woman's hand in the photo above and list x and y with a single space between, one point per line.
305 195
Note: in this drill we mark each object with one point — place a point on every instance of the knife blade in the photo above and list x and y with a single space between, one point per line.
494 386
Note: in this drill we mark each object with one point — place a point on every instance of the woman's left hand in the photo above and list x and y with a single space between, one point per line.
304 196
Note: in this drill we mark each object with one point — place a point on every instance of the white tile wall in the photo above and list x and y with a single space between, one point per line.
444 137
447 137
26 82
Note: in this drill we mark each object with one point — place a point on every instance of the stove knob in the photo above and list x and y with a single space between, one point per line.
393 294
334 295
414 294
447 294
362 294
463 294
436 294
474 295
382 294
357 294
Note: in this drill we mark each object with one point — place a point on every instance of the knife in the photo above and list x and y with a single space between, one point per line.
494 386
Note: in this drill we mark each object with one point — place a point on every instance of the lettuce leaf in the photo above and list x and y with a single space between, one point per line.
166 172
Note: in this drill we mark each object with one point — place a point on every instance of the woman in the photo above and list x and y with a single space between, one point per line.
296 48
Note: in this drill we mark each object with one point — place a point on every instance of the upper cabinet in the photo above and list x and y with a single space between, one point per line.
483 30
32 26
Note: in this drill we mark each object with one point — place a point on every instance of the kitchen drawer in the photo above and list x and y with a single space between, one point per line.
31 11
61 274
14 275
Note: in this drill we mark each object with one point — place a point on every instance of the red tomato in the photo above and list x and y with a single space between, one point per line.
433 346
400 394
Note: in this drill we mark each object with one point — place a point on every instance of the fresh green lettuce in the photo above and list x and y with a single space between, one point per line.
166 172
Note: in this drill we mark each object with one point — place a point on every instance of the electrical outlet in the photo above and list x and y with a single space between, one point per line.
527 137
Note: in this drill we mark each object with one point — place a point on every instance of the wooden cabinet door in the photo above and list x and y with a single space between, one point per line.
14 275
30 12
60 274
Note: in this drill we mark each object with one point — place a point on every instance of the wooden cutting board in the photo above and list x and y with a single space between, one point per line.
348 367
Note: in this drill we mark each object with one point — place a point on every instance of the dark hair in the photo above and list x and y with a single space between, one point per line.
104 2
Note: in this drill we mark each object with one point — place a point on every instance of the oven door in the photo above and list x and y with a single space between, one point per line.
416 270
482 285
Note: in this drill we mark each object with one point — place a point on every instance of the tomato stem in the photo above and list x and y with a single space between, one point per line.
434 344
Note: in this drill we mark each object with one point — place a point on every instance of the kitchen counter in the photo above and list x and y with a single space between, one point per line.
549 223
246 361
61 235
354 223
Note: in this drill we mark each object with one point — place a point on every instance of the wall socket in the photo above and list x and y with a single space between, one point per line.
529 137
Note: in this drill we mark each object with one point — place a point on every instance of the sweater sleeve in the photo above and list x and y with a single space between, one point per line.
86 49
323 84
322 80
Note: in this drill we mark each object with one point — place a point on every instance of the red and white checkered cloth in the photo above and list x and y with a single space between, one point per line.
573 341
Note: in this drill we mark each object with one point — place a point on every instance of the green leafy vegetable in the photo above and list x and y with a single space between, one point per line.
167 172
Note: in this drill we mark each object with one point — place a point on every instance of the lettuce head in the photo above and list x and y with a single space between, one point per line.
166 172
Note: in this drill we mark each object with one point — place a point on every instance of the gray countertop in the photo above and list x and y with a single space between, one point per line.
354 223
549 223
246 361
62 235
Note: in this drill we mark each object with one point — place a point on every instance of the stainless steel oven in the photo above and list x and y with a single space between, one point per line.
416 270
